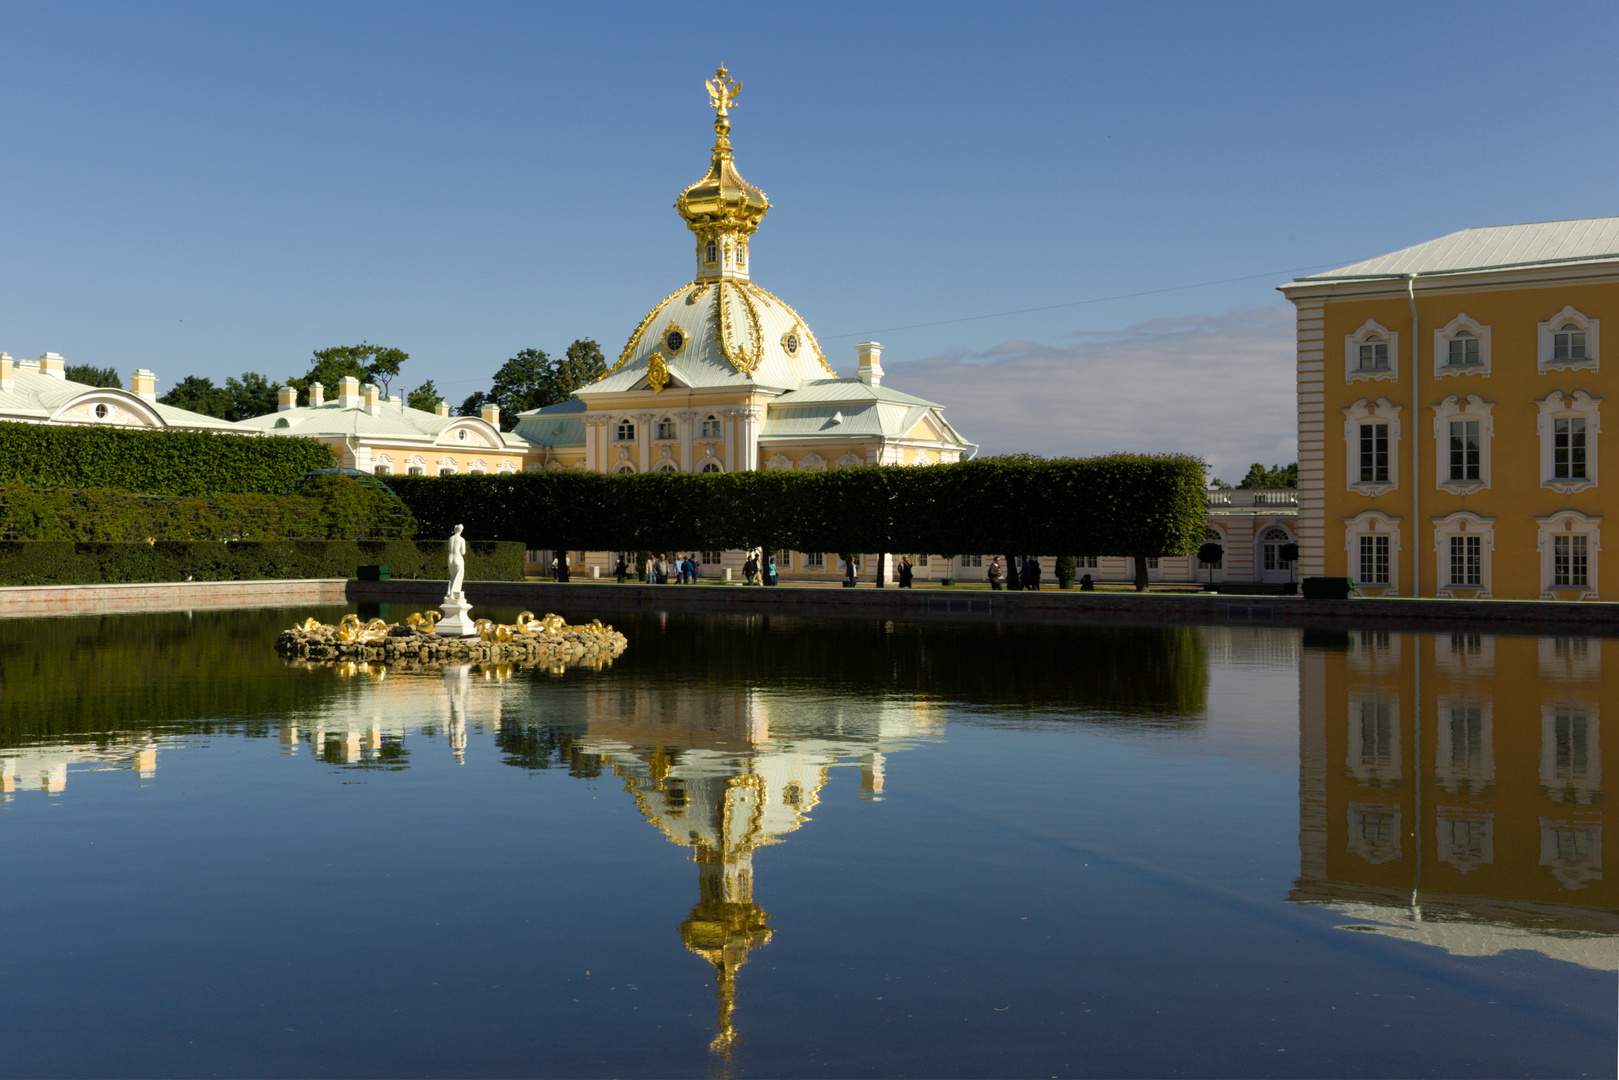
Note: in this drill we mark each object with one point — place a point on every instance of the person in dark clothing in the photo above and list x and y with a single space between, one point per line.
696 565
621 570
904 572
688 572
1034 575
1086 584
850 569
995 574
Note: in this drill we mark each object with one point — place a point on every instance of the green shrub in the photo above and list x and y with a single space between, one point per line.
55 562
155 462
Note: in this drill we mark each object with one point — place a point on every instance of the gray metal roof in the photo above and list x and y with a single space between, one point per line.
392 421
1498 247
38 396
832 391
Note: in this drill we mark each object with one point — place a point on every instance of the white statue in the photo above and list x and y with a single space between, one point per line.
458 564
455 622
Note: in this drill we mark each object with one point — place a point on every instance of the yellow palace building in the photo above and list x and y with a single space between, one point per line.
1449 414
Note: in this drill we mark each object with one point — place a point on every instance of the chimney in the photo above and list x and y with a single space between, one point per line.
490 414
30 366
871 362
317 395
144 384
8 372
51 364
442 408
348 392
286 397
397 399
373 403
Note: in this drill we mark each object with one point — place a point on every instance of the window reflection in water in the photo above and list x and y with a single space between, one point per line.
1451 790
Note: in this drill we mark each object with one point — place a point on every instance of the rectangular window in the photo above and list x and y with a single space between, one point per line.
1376 734
446 470
1152 562
711 428
1464 450
971 560
1463 351
921 560
666 429
784 560
1466 560
1570 560
1085 562
1374 356
1374 560
1568 344
814 560
383 470
416 470
1374 453
626 431
1571 758
712 558
1568 448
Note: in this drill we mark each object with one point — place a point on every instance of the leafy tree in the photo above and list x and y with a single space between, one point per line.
366 362
251 395
93 376
584 365
1277 476
1219 485
473 405
199 395
425 397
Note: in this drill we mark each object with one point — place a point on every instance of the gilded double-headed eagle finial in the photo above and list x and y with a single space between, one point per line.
722 91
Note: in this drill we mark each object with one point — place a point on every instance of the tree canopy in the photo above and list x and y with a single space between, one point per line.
239 399
425 397
369 363
93 376
1277 476
533 380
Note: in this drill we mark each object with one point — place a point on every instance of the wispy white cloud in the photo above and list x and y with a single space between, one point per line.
1218 386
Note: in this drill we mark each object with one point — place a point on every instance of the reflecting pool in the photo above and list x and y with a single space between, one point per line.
760 846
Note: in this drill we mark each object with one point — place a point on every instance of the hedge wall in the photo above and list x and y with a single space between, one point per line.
327 508
1116 505
156 462
49 562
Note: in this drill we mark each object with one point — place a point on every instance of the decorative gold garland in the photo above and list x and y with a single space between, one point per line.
635 338
746 362
809 336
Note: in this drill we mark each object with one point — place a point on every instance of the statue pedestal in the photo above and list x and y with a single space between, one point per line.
455 622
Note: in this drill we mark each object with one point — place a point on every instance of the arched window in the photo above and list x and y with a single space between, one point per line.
711 426
625 469
626 431
1374 353
711 467
666 428
667 466
1272 541
1463 349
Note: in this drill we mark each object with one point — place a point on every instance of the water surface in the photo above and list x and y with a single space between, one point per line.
784 847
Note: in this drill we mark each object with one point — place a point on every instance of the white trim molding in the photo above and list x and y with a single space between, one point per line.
1463 525
1548 332
1372 524
1362 412
1457 409
1574 526
1369 330
1576 406
1461 329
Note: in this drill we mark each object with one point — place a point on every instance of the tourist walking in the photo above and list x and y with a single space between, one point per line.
660 571
995 574
750 569
621 569
905 572
1025 575
850 569
696 566
1034 574
770 570
688 571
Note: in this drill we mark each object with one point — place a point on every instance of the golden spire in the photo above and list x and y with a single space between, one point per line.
722 208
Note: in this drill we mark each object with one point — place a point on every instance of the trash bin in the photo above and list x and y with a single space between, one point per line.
374 572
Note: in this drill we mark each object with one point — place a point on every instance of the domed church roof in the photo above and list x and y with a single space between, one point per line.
720 330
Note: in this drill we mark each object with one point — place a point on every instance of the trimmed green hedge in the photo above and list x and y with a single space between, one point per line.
155 462
49 562
327 508
1124 504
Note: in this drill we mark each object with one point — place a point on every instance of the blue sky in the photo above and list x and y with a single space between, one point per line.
212 188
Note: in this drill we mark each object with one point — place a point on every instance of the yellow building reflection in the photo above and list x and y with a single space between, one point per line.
725 773
1451 790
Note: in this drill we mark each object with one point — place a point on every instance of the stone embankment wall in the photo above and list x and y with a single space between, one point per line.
35 600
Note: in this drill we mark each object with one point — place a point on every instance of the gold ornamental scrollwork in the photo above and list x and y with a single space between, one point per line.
657 372
745 359
675 339
798 322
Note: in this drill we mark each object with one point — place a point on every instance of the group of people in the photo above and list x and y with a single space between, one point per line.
1028 574
753 571
660 567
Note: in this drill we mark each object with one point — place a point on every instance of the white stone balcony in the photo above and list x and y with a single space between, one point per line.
1253 500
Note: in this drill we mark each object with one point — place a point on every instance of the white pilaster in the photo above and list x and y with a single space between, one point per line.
748 422
643 440
686 421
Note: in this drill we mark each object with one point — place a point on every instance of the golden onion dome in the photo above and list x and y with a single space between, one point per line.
722 200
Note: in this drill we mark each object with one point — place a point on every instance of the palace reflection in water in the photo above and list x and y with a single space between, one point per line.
1451 790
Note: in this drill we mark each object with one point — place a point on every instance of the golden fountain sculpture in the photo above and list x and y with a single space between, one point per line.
544 640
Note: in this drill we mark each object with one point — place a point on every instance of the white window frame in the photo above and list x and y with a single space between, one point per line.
624 430
666 424
710 465
1383 411
815 560
1456 408
1463 523
1352 344
505 467
1560 406
1547 334
779 462
711 426
1569 523
448 467
1373 523
1452 331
